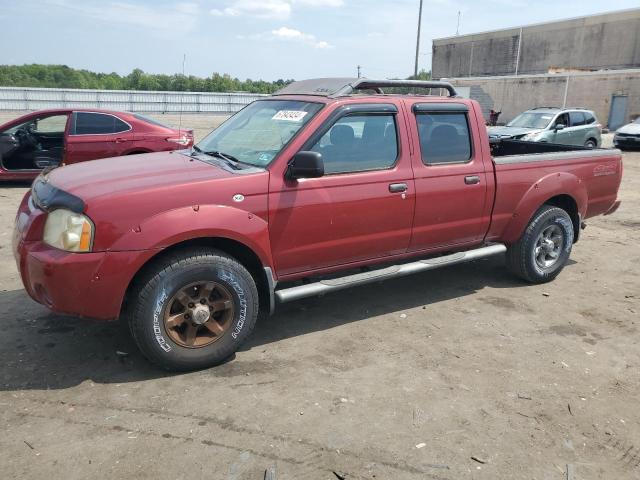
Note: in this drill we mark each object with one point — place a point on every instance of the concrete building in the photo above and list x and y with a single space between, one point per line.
593 62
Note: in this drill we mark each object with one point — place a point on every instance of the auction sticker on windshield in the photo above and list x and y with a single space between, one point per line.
290 115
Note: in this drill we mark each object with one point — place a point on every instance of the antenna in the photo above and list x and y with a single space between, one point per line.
458 27
415 70
184 61
359 71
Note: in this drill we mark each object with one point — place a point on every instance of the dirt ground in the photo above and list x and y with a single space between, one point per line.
460 373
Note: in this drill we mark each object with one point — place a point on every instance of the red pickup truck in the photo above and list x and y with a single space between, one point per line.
328 184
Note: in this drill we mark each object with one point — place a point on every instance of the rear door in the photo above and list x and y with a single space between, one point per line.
362 208
96 135
453 187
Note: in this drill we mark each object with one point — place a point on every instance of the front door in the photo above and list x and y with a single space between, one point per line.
564 135
453 189
361 209
34 144
96 135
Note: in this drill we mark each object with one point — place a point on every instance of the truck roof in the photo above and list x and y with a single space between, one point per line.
344 87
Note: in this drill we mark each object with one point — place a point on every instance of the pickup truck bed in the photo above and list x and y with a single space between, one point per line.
530 172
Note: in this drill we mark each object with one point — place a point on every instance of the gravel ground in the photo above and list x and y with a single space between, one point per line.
459 373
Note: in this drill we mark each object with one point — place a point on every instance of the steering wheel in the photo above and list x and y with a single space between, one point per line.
26 138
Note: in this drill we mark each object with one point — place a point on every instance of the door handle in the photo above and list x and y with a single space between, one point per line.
472 179
398 187
120 140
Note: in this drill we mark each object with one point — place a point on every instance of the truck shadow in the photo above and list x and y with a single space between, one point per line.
42 350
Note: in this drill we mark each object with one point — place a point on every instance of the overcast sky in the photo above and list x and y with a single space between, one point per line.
266 39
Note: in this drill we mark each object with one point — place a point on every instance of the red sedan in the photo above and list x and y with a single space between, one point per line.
50 138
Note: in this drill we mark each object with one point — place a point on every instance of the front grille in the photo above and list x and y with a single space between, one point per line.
628 135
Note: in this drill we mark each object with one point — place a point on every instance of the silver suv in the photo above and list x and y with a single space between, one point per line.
568 126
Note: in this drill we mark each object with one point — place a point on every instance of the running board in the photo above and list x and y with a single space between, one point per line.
325 286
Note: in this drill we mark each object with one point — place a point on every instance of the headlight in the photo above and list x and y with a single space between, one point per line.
530 137
68 231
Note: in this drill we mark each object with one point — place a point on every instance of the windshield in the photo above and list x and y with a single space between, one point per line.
637 120
256 134
531 120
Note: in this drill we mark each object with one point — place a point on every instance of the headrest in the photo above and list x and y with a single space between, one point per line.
443 133
342 135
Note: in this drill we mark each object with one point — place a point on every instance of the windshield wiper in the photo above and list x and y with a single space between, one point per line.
230 159
224 156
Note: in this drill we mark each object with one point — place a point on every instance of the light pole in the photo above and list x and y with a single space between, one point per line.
415 70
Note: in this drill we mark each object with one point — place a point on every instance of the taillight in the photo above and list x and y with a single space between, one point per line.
185 141
599 126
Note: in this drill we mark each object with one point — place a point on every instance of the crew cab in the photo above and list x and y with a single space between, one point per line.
49 138
328 184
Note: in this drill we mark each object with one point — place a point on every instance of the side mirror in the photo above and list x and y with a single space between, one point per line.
306 165
560 126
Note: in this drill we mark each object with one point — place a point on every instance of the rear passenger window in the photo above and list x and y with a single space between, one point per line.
444 137
576 119
589 119
359 142
87 123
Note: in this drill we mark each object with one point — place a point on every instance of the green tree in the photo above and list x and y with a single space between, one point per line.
62 76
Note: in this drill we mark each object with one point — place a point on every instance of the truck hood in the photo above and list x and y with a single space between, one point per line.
511 132
135 173
632 129
120 194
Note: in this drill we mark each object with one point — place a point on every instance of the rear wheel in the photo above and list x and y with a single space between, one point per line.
544 248
591 143
193 310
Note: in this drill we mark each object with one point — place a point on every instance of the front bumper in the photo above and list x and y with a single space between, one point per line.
626 142
84 284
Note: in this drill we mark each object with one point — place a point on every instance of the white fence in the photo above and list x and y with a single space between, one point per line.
16 98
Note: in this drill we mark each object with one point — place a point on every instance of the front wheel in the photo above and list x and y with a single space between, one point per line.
544 248
193 309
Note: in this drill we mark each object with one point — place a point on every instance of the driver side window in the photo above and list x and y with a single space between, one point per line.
52 124
562 120
357 143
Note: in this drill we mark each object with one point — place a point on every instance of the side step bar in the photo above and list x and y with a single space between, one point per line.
325 286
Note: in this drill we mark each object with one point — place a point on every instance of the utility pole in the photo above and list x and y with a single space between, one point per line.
415 70
359 71
458 27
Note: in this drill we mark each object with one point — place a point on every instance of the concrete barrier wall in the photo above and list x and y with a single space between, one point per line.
16 98
609 41
513 95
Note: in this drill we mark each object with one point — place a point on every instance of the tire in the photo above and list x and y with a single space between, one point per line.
545 246
162 317
591 143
